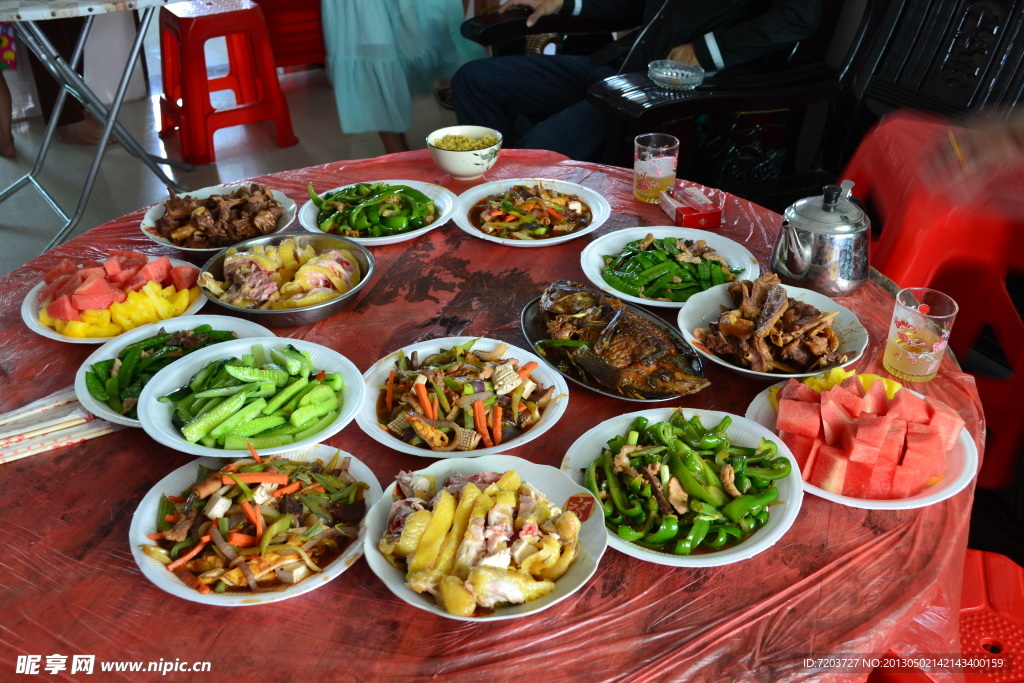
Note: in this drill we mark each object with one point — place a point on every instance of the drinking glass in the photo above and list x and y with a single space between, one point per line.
918 333
655 156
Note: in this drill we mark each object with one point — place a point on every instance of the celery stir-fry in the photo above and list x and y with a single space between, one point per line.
461 398
530 213
258 524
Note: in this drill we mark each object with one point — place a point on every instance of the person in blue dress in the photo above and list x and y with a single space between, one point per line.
381 54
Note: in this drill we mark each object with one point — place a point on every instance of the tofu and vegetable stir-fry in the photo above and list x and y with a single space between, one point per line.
530 213
461 399
258 524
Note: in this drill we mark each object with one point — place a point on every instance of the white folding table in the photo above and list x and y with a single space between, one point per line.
26 14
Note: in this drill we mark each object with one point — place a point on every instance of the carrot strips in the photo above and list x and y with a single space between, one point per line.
525 371
254 516
557 216
257 478
496 425
391 390
433 407
480 422
285 490
192 581
196 549
242 540
255 455
173 519
421 394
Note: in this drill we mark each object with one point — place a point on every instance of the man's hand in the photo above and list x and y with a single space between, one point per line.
541 8
684 53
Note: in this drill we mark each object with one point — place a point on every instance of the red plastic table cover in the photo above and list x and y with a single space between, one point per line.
842 580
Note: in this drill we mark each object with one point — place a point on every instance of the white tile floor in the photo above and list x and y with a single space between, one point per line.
125 184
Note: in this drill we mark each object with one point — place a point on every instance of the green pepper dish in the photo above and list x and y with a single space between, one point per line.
373 210
682 488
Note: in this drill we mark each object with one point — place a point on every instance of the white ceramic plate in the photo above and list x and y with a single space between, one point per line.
377 377
600 209
156 416
742 432
706 307
143 523
30 313
157 212
241 328
558 488
961 466
592 258
444 201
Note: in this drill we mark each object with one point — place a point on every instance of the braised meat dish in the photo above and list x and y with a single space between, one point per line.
767 331
219 220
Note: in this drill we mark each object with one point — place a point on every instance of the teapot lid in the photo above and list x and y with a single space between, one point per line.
831 213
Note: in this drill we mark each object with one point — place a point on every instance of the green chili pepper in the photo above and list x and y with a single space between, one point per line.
693 538
738 508
590 481
618 496
95 387
283 523
724 533
778 468
667 529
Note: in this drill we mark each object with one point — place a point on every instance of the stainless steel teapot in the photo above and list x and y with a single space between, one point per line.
823 244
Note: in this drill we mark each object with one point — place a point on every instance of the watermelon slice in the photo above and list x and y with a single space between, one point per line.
871 429
853 385
908 406
946 420
126 274
858 478
834 418
926 441
853 403
94 294
875 400
184 277
129 255
911 475
113 266
804 448
65 267
157 271
798 391
49 292
829 470
798 417
62 308
136 282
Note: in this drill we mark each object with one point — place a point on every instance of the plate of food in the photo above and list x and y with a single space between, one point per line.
663 266
277 395
378 212
289 558
865 441
92 302
530 212
665 503
142 353
771 331
614 349
431 398
466 554
212 218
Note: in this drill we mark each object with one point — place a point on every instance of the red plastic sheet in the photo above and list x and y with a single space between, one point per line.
842 580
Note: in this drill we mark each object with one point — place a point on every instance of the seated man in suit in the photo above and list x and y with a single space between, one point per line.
550 90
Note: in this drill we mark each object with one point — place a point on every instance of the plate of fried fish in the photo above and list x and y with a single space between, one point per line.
599 342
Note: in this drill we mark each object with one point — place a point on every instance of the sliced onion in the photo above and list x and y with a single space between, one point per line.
329 532
470 399
222 545
499 351
478 385
249 576
504 400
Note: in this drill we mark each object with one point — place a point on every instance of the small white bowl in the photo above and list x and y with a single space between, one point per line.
468 164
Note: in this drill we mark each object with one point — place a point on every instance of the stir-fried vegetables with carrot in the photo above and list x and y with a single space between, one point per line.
461 398
258 524
530 213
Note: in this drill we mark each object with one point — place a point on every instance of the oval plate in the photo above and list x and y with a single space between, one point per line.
183 477
592 258
30 313
961 466
377 376
555 485
445 202
600 209
742 432
157 212
241 328
706 307
532 323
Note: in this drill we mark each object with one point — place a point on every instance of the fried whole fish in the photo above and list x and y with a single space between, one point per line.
625 352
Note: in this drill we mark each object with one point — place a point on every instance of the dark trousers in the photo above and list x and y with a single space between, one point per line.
63 33
549 91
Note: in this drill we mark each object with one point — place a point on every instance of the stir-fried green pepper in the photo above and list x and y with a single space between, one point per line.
637 480
373 210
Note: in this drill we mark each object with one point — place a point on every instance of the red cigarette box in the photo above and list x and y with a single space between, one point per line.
690 208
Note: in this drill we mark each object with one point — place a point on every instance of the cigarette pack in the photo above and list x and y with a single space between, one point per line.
690 208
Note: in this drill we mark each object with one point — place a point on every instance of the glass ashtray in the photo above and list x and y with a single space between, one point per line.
673 75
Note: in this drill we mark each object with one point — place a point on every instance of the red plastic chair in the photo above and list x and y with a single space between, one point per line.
185 27
966 250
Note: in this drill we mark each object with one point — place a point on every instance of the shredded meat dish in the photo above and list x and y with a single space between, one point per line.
766 331
219 220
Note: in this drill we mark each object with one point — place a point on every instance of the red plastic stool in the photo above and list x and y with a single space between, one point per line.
296 31
992 612
185 27
964 250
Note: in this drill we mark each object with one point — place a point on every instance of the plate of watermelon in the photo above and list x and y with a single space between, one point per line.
92 302
868 443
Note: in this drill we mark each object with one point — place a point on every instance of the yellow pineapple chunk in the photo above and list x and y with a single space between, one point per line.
194 294
179 302
44 319
96 316
76 328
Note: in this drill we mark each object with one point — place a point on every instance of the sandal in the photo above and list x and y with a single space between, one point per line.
445 97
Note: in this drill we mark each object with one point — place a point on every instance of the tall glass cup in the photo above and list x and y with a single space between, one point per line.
918 333
655 156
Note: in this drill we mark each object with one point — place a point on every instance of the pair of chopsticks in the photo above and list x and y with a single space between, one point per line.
45 425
